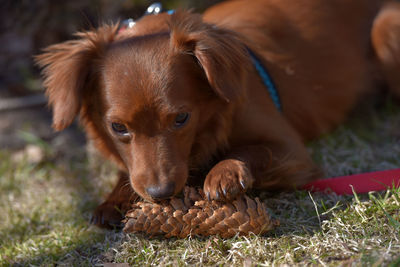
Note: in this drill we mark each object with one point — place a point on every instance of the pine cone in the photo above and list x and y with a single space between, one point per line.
193 215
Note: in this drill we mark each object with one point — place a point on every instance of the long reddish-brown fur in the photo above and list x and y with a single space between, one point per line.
178 92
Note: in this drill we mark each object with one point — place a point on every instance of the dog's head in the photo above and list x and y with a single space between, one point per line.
157 98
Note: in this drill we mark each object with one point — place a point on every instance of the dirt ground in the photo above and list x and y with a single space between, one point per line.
24 126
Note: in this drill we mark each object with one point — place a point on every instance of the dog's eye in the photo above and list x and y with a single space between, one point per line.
181 119
119 128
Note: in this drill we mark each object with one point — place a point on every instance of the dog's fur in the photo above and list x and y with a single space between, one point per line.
323 56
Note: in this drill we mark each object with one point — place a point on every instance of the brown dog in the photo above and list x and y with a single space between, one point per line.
178 92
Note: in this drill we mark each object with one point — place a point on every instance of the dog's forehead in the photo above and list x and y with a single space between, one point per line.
137 67
138 57
141 74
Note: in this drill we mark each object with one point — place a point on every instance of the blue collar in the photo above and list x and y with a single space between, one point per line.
267 80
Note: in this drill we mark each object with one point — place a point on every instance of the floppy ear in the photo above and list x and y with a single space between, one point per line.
219 52
67 68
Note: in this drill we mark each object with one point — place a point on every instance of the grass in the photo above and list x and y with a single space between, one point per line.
45 206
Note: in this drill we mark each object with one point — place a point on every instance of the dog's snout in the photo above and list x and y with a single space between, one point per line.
161 191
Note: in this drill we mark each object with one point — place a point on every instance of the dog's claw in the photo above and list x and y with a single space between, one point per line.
224 191
93 220
217 195
102 219
208 196
242 183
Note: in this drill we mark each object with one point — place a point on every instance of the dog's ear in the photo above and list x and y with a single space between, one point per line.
219 52
67 71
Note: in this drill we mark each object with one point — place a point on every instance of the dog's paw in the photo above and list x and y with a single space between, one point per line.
227 179
108 215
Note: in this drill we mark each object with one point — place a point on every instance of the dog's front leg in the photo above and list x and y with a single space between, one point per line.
110 213
257 166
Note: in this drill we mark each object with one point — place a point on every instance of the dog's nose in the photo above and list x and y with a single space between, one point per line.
161 191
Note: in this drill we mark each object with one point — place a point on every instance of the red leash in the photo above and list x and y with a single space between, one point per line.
362 183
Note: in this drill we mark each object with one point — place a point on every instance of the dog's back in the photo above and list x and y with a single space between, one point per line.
319 53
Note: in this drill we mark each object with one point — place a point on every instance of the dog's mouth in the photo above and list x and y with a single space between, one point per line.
179 195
